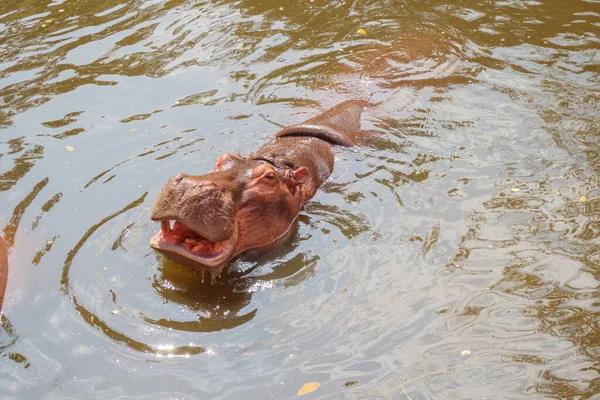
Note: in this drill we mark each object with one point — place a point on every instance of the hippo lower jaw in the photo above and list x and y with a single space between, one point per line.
189 248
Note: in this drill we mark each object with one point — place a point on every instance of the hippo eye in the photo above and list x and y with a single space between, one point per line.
264 175
269 178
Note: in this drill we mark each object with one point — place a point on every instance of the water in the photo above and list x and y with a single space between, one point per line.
455 256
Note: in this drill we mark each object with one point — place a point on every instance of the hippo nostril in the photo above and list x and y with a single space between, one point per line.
203 184
225 161
179 177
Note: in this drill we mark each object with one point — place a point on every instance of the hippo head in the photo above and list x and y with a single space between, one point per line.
244 204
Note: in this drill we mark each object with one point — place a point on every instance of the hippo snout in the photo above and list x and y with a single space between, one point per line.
198 203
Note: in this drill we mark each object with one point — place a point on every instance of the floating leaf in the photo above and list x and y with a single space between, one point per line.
361 31
308 388
515 189
465 353
582 199
69 148
115 312
48 21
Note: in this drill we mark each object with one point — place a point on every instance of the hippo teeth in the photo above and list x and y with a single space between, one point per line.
180 235
165 225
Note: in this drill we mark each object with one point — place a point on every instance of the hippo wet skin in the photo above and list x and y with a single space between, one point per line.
251 203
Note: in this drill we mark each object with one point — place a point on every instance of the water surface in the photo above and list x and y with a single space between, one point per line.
455 256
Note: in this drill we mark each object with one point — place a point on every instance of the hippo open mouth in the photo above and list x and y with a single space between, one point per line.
187 247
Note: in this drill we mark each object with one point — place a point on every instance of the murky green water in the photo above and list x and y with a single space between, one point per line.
457 257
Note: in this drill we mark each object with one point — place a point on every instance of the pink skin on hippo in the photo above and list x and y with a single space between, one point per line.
251 203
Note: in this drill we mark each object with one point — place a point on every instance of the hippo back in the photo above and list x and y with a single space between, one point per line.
339 125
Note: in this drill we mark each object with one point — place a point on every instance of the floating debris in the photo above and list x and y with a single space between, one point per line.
308 388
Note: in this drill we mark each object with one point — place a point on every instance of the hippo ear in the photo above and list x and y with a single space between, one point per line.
297 177
300 176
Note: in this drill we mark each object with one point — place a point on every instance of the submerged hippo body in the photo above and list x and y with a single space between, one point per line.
251 203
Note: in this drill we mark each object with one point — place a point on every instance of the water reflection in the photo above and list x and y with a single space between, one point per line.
225 303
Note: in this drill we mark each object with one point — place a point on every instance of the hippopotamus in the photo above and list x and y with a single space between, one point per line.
3 269
251 203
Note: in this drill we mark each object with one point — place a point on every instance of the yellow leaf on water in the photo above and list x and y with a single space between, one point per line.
308 388
582 199
115 312
69 148
361 31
